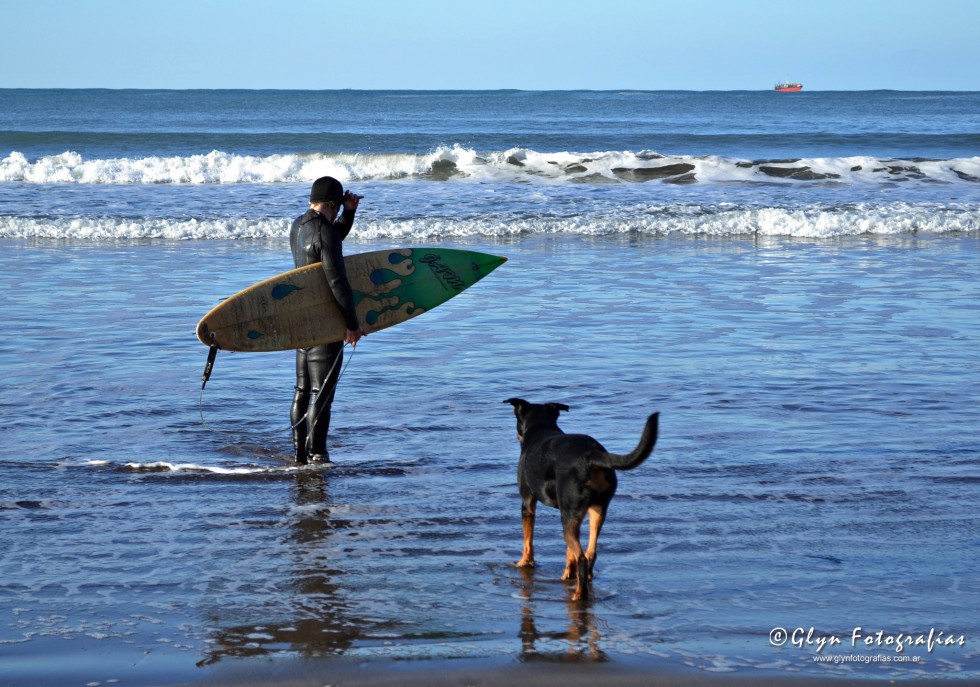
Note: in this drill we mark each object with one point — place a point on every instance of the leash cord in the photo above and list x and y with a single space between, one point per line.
332 387
336 360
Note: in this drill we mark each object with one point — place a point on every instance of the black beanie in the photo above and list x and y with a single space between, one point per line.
326 189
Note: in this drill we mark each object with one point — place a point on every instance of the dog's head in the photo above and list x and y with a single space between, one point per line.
535 415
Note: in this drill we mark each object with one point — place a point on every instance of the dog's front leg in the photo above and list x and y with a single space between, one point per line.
528 508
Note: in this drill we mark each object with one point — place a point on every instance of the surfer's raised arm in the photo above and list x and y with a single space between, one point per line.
346 221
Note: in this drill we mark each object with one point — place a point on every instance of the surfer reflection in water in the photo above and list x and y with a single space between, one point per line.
317 236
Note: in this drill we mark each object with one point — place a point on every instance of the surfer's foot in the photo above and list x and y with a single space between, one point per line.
319 458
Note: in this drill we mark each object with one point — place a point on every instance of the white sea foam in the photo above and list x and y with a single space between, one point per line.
461 163
549 183
804 222
163 466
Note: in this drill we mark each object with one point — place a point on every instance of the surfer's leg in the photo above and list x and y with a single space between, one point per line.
297 413
323 364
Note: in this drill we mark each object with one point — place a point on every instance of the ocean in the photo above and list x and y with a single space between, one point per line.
791 280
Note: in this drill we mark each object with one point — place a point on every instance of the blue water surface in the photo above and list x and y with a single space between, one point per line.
811 344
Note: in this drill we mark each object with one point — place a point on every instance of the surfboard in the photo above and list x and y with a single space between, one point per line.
296 309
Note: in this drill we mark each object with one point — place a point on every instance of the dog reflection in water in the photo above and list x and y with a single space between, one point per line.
546 637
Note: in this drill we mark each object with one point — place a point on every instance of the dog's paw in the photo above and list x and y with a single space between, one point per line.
524 563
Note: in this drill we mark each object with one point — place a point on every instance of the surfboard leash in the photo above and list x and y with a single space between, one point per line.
336 382
208 367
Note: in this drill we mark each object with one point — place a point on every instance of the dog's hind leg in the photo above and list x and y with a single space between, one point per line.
577 564
597 516
528 509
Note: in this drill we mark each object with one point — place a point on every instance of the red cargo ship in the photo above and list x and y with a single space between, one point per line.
789 87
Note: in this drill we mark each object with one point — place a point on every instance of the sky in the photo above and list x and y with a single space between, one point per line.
490 44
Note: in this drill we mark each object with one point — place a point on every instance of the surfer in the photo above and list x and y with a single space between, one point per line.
317 236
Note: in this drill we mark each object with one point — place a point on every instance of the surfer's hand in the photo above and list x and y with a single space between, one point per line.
351 201
354 335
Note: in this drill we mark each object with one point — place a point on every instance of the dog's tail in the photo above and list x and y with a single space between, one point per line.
639 454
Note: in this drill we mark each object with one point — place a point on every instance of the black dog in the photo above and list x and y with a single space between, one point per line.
570 472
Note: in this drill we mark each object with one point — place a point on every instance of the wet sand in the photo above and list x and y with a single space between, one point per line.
344 673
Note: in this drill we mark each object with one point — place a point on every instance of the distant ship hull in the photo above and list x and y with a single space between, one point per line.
788 87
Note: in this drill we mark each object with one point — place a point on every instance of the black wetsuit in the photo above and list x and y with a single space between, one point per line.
313 239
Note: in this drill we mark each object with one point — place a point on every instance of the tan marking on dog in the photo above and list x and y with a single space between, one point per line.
597 480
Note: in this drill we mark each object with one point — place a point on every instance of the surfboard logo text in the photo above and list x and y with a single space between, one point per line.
446 275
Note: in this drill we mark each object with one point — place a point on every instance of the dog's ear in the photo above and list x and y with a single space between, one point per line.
559 406
518 403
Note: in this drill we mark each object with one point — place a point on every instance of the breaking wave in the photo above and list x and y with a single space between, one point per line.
460 163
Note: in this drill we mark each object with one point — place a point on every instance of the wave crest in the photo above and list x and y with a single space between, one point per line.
684 220
459 163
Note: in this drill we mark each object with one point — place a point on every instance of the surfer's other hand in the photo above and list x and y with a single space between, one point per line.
354 335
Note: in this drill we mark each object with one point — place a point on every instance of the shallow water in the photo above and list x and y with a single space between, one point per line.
817 464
